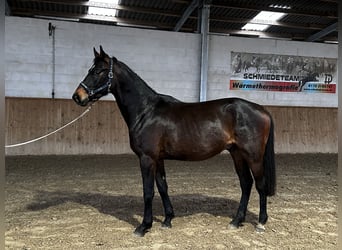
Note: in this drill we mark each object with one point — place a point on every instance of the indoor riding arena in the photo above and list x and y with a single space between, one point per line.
81 97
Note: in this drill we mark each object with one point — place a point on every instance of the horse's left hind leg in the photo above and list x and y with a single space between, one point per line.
246 182
162 188
263 212
257 170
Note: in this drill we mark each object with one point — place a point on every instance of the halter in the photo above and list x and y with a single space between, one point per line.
107 85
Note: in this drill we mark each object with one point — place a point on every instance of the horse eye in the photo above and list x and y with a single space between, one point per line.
98 71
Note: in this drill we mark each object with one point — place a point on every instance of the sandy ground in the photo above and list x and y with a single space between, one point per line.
95 202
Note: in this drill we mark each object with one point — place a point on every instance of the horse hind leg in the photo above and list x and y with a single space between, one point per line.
244 169
246 182
260 184
163 191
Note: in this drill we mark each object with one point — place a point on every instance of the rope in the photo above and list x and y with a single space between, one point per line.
53 132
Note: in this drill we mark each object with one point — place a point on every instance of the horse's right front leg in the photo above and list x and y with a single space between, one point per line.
147 166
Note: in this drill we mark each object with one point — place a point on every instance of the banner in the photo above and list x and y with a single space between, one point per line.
268 72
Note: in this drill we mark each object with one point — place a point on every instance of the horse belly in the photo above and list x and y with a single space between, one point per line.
192 146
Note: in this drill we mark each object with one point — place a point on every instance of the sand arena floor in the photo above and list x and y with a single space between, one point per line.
95 202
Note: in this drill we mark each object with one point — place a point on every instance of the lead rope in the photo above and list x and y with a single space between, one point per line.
51 133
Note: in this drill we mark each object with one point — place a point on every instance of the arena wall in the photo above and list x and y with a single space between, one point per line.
103 131
167 61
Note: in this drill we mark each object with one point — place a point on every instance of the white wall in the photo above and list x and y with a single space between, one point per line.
168 61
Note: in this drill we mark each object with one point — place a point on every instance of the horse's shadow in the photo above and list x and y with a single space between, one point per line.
125 207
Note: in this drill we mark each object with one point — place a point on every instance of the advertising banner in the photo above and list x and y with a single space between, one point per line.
284 73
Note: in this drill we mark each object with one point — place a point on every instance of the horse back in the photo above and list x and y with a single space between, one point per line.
197 131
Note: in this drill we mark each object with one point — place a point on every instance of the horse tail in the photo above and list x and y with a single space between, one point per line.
269 163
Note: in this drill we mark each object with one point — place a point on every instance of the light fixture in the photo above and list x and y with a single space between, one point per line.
103 8
263 20
280 6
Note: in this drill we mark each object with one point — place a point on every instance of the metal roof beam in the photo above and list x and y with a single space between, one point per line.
322 33
107 6
192 6
259 34
273 23
256 8
7 9
107 19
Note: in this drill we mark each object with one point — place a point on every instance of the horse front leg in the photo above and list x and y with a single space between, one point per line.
148 167
163 191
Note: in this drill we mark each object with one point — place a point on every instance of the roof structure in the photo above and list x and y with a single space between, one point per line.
304 20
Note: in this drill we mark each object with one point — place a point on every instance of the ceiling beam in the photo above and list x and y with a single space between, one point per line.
322 33
262 34
176 15
330 1
257 8
258 34
8 11
186 14
105 19
228 5
273 23
115 20
107 6
169 13
137 22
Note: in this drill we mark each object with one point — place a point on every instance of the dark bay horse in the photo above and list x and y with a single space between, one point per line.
162 127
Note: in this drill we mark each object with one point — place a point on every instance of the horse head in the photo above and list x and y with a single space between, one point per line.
98 81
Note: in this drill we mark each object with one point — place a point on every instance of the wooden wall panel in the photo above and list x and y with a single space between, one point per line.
305 130
103 131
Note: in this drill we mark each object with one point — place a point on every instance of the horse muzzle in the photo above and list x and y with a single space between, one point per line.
81 96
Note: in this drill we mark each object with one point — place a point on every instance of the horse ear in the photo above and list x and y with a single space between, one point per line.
96 54
102 53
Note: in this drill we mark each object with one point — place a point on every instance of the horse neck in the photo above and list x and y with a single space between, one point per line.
133 96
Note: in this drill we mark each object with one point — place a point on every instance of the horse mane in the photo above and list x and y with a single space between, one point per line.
136 77
164 97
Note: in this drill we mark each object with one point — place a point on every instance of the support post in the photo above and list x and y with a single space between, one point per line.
204 49
52 34
8 11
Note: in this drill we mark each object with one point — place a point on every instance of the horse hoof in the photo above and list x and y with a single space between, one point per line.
260 228
232 226
140 231
166 225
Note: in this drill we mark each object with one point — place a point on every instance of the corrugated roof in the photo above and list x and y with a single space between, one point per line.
303 20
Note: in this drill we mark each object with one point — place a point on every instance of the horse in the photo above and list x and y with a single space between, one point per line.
255 63
237 64
162 127
310 77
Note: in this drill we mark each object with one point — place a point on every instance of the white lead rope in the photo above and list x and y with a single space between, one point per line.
53 132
